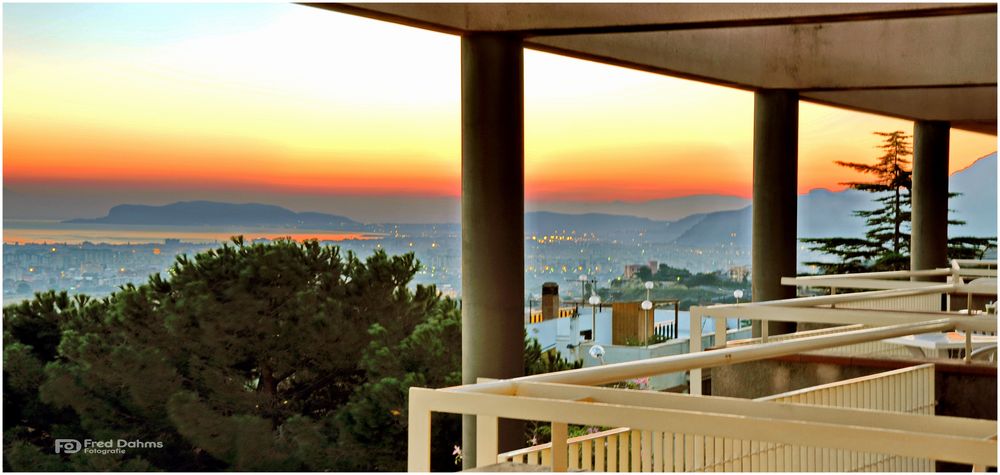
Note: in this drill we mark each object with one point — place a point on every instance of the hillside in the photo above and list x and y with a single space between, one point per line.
824 213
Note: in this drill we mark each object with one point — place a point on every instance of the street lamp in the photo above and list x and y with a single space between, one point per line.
738 294
646 305
597 352
595 300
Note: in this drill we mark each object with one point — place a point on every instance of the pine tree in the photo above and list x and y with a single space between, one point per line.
262 357
886 244
893 182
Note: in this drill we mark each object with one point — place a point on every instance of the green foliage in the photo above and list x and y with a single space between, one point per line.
250 357
262 357
537 361
652 340
886 244
665 273
966 247
893 182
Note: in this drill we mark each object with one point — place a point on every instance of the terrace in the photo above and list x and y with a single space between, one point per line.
933 64
809 420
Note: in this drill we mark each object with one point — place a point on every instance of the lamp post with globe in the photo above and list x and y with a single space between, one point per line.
738 294
646 305
594 301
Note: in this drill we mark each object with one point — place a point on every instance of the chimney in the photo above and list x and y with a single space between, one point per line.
550 301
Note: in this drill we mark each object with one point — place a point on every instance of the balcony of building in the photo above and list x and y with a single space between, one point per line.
850 396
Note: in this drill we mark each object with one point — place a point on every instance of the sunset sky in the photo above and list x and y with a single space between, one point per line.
276 103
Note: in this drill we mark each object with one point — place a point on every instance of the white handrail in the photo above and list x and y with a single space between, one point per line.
708 359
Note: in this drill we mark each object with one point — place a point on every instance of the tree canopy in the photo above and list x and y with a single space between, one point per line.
280 356
886 244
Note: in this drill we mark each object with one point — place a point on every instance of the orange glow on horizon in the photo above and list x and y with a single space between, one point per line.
253 109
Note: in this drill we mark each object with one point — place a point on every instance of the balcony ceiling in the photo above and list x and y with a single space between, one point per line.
912 61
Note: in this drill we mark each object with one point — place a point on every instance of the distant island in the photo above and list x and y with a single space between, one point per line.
212 213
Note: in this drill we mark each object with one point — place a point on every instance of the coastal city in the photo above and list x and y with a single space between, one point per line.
100 268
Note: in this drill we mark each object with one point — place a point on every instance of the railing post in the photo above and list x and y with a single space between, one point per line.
968 346
720 332
694 344
487 446
418 448
560 433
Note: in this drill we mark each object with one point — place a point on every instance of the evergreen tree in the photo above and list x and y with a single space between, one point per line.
893 181
886 244
282 356
885 224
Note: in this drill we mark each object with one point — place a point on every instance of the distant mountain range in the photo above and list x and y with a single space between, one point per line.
667 209
977 205
824 213
821 213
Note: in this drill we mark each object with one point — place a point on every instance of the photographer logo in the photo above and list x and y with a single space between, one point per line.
102 447
68 446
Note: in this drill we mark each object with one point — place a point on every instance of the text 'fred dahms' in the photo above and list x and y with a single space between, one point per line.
104 447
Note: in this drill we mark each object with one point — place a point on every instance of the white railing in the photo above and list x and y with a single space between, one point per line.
908 390
958 273
598 451
896 301
711 431
563 398
870 349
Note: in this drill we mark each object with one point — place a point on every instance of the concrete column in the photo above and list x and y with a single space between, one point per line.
492 220
775 183
929 195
